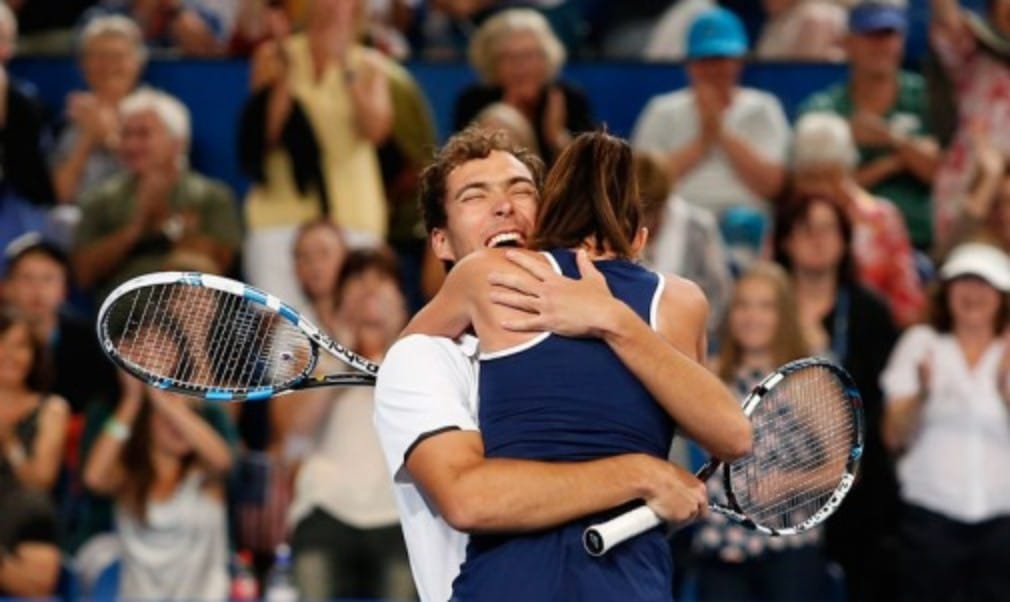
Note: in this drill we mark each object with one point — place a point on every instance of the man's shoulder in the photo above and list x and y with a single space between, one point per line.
427 356
670 102
201 188
754 98
834 98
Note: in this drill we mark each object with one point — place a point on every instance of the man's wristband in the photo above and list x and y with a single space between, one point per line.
117 429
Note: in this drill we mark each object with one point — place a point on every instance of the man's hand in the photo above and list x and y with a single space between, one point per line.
555 303
675 494
869 129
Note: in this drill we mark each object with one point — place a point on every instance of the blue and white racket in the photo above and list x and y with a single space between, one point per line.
807 419
218 339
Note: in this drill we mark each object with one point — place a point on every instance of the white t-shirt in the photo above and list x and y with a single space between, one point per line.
959 462
670 121
426 386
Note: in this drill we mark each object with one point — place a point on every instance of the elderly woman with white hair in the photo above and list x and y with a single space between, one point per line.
824 162
112 55
518 58
132 221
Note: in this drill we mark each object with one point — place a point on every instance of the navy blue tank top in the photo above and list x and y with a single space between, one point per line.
563 399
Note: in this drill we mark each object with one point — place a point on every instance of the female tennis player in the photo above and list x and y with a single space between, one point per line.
548 397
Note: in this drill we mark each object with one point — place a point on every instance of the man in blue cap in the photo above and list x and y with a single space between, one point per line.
725 144
887 109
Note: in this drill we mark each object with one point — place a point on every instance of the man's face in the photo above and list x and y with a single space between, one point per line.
876 52
720 73
147 143
489 202
37 286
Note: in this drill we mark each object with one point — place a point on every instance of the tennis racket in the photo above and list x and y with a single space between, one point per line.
218 339
807 420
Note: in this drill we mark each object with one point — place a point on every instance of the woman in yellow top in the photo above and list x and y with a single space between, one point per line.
321 105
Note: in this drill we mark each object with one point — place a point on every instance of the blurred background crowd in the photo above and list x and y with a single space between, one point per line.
833 173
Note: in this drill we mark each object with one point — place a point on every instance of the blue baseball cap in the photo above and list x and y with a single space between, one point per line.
869 17
716 33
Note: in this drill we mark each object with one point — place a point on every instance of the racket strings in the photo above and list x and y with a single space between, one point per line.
803 434
204 339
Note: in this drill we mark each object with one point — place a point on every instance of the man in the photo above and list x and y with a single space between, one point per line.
131 222
887 112
725 145
482 192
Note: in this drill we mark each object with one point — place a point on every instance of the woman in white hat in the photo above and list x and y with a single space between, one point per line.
947 386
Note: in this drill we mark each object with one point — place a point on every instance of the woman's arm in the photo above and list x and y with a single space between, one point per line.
41 467
371 99
103 470
450 311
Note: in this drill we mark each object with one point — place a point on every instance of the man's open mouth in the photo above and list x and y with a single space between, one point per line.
505 239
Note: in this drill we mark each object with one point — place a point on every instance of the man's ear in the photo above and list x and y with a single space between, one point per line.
441 245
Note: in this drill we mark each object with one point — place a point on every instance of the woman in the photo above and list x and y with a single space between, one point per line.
519 59
843 320
824 162
319 252
33 424
308 136
112 56
555 398
761 332
165 467
948 419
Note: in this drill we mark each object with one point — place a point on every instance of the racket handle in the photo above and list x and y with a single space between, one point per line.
599 538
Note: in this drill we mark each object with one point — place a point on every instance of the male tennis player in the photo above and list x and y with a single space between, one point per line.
482 191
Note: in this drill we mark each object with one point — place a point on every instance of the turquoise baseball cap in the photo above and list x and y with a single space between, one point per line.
716 32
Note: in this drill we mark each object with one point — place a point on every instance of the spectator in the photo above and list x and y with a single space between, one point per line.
668 40
842 320
985 213
519 59
36 284
320 252
192 28
165 467
29 548
346 534
321 105
724 144
112 56
802 30
948 399
504 117
47 26
824 162
761 332
132 221
887 111
981 81
33 423
683 239
24 173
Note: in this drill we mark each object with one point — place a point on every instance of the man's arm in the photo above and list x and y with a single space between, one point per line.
702 406
476 494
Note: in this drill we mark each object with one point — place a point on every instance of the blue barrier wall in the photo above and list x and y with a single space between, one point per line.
214 92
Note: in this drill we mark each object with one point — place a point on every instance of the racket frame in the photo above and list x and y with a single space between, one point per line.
366 370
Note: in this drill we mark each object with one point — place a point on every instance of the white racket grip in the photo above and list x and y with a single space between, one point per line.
599 538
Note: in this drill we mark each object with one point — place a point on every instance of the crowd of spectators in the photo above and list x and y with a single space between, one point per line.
867 231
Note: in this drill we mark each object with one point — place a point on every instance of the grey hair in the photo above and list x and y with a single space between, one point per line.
824 138
483 51
114 25
169 110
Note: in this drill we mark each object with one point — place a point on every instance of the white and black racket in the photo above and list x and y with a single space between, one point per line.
218 339
807 421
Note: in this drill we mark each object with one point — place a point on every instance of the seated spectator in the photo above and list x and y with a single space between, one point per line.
22 163
802 30
33 423
503 116
346 535
112 56
36 283
308 135
976 64
948 399
724 144
852 325
132 221
47 26
824 162
985 213
668 40
519 59
760 333
887 112
320 252
192 28
683 239
29 545
165 467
